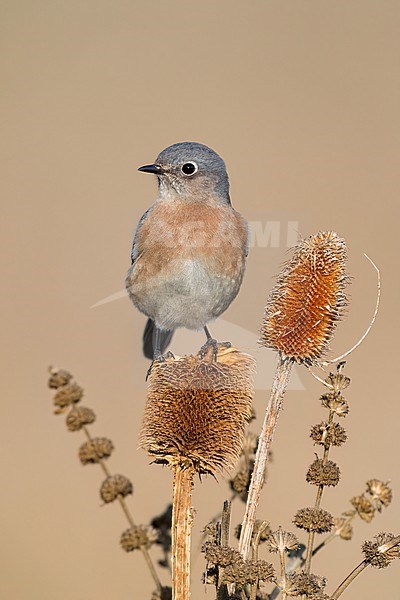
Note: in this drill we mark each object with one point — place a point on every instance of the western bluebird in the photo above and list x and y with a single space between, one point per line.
189 249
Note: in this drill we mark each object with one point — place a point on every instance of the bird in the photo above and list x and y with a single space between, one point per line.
189 250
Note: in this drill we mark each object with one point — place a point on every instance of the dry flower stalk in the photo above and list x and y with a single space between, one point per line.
300 317
194 421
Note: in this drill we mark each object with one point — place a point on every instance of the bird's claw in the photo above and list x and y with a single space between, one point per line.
210 348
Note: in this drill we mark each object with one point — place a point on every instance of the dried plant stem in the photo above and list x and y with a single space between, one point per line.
129 517
182 520
311 535
346 582
273 410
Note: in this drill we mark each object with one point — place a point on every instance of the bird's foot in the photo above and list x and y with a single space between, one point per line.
159 358
211 347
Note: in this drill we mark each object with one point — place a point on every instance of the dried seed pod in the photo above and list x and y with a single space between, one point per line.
380 492
197 410
58 377
220 556
139 536
336 403
308 299
78 417
343 528
68 394
328 434
364 507
380 552
95 450
249 571
114 486
282 541
309 585
321 473
314 519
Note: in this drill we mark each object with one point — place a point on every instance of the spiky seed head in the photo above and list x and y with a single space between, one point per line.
95 450
197 409
364 507
380 492
66 395
308 299
138 536
114 486
78 417
58 377
321 473
381 551
314 519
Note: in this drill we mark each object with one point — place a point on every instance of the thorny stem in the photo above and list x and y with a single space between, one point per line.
182 520
129 517
273 410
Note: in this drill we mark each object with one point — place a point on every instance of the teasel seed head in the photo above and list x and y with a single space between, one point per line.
78 417
95 450
321 473
335 403
364 507
197 410
249 571
58 377
139 536
114 486
328 434
379 552
308 299
380 492
314 519
68 394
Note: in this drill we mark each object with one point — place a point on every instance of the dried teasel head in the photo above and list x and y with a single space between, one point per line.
197 410
308 299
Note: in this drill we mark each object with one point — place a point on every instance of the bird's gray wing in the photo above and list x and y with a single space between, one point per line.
134 252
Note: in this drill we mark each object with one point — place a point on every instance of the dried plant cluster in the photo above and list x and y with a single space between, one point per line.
195 421
197 410
308 300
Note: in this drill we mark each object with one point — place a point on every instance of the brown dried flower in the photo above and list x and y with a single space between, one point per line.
249 571
364 507
308 299
95 450
221 556
71 393
380 492
343 528
336 403
313 519
321 473
328 434
139 536
337 380
309 585
381 552
58 377
114 486
240 482
282 541
78 417
197 410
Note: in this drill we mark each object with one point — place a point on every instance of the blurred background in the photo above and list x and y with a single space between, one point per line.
302 101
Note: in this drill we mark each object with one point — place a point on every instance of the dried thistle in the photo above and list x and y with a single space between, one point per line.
313 520
78 417
114 486
308 299
138 537
300 317
194 421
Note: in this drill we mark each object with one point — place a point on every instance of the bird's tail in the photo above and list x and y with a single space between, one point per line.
149 339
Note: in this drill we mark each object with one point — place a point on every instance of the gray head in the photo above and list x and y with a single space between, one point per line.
190 168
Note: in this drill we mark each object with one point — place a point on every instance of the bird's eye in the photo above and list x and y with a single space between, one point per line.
189 168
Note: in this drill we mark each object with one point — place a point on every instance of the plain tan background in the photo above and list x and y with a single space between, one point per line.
301 98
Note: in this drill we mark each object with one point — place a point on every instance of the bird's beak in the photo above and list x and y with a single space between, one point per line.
156 169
